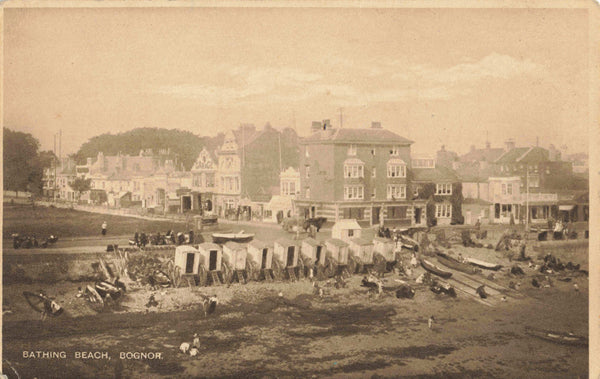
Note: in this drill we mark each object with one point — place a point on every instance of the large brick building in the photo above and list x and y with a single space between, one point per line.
356 173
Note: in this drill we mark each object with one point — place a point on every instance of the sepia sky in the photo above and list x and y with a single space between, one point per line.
436 76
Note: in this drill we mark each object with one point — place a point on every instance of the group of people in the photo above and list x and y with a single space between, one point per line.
142 239
29 242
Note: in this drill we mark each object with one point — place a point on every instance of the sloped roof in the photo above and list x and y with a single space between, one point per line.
512 155
336 242
533 154
361 241
256 243
347 224
477 155
437 174
185 249
311 241
208 246
285 242
231 245
358 136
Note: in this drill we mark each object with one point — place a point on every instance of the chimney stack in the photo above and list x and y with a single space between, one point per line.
326 124
510 144
375 125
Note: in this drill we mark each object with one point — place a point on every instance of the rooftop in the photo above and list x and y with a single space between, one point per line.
437 174
358 136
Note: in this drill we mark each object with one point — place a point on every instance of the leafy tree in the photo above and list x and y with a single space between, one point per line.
22 167
80 185
184 144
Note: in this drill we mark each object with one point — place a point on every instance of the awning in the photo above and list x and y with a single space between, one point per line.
565 207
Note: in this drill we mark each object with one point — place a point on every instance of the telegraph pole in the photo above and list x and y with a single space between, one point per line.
527 203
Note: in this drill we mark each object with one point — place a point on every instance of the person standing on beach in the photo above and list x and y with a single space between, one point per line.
104 226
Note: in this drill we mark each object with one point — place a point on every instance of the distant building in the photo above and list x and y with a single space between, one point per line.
439 188
249 165
538 168
357 174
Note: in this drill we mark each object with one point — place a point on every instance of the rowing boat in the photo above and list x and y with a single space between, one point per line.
429 266
483 264
557 337
452 263
240 237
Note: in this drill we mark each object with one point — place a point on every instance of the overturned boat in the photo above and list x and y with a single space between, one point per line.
558 337
483 264
432 268
240 237
455 264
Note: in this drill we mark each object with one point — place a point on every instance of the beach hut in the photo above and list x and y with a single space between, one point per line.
337 257
313 253
285 257
346 229
260 260
234 261
212 256
361 254
189 261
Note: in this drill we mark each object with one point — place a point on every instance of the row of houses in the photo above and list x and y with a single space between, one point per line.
366 174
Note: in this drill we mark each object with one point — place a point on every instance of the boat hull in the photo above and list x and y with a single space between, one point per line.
561 338
484 265
456 265
435 270
223 238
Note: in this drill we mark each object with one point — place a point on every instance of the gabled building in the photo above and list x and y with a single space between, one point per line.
437 193
249 164
538 168
355 174
199 198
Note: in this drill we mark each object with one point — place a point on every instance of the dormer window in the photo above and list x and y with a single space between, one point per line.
352 150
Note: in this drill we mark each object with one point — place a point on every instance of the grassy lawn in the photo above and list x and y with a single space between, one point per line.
43 221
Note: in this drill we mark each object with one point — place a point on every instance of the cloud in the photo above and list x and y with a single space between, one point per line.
384 82
493 66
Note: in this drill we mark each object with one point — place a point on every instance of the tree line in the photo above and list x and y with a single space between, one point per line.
23 162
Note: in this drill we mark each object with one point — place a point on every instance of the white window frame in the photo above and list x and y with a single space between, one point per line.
374 172
352 150
443 189
395 151
354 192
396 191
354 170
443 210
307 172
396 170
